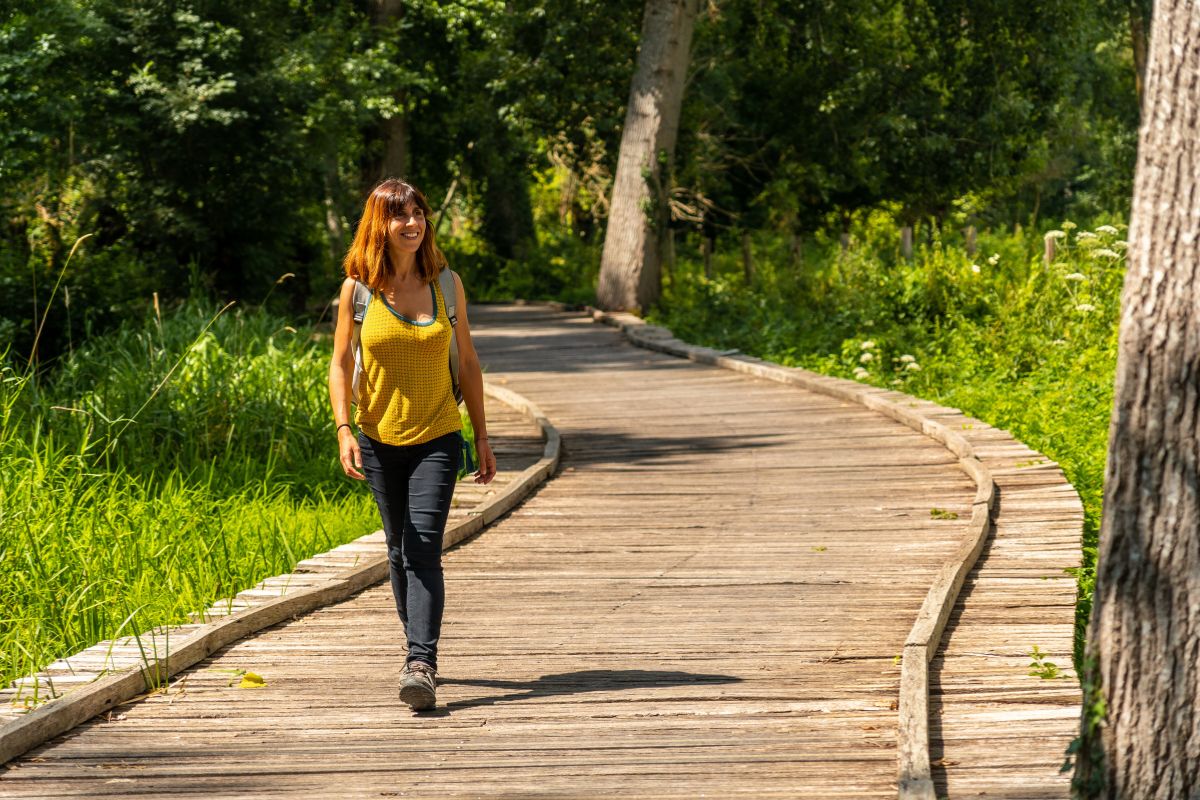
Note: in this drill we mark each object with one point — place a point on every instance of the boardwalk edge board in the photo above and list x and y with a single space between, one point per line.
113 687
915 777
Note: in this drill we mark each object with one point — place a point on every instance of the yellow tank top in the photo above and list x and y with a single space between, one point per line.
405 393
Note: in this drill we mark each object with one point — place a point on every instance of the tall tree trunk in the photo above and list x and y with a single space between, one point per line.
395 145
499 165
335 234
747 258
1141 721
386 154
669 254
630 266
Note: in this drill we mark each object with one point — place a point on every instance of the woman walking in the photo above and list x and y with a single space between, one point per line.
410 433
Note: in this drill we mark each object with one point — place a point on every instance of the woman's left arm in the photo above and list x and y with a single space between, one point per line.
470 380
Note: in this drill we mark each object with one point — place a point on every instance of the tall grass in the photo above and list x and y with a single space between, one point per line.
1022 345
127 501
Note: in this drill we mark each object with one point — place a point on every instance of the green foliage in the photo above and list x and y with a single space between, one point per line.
800 109
121 514
560 267
1039 667
216 146
1026 347
248 390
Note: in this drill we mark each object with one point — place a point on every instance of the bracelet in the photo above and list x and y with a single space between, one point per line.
343 425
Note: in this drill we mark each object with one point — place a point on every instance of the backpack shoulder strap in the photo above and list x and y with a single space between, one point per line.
450 298
362 298
449 294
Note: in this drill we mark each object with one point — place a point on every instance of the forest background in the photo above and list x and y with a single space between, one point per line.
212 152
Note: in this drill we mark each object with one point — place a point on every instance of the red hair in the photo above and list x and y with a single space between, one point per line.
367 259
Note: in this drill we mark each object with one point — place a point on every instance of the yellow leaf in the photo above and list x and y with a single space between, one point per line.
252 680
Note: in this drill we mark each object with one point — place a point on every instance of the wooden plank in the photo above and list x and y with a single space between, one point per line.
712 597
973 442
263 609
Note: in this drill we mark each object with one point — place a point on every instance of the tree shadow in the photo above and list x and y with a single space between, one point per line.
569 342
618 448
568 683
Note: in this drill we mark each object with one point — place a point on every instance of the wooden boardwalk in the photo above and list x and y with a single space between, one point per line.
708 600
1000 732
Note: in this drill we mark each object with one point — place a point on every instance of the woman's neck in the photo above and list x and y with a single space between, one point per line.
404 266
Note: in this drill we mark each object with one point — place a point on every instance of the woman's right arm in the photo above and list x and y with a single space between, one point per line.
341 372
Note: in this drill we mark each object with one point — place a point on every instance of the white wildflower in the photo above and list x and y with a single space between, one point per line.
1075 276
1068 225
866 358
1104 252
898 382
913 367
1120 244
1084 236
975 268
861 374
994 259
1055 235
867 345
1107 229
1085 307
907 359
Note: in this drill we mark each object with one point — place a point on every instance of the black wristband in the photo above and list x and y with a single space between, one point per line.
343 425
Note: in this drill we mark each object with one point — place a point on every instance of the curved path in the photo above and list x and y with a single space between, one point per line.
708 600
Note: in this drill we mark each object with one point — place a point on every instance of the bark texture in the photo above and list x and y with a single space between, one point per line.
1143 654
630 266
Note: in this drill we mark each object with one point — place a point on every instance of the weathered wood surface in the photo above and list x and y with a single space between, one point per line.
77 687
998 731
1034 527
708 600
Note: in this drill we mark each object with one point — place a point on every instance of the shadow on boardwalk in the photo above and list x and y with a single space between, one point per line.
570 683
615 447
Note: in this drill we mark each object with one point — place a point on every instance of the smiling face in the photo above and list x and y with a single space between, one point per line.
393 234
406 230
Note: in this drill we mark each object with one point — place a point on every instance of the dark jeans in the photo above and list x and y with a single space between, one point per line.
413 485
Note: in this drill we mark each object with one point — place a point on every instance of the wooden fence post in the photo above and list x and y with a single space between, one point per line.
906 244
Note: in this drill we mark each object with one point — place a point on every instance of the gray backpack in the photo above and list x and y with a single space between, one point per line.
362 299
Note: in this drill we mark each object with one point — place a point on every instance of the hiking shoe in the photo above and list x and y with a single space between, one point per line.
418 684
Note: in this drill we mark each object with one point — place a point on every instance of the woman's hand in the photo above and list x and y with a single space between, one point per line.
487 461
350 455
